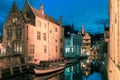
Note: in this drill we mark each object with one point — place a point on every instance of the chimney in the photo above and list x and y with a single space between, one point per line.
60 20
41 9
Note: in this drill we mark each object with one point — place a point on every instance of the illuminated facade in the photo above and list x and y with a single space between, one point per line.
86 38
72 45
33 34
86 41
114 42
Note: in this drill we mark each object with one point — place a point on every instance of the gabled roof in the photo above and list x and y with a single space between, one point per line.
14 8
39 14
14 12
87 35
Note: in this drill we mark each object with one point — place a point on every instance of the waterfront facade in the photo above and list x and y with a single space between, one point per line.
86 42
114 42
72 46
33 34
86 38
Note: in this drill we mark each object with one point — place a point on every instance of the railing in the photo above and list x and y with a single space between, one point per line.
13 70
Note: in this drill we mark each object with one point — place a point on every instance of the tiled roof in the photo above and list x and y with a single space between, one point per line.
38 13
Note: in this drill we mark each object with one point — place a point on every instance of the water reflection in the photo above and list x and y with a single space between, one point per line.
73 72
93 76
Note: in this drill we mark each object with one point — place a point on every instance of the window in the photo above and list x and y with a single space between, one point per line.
115 18
50 31
60 40
40 24
45 49
9 33
55 29
30 58
14 19
19 33
87 39
17 46
44 25
44 36
32 49
72 49
56 49
55 40
61 50
38 35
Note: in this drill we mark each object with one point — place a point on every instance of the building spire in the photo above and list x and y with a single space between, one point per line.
82 28
14 7
60 20
72 27
27 1
26 7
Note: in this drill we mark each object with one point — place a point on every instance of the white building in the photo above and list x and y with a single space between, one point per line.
72 45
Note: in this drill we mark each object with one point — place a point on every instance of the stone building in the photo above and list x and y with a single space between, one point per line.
114 41
33 34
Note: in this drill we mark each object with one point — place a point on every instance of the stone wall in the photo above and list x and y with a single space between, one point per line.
9 61
113 71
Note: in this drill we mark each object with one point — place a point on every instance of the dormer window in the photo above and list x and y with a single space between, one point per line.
14 19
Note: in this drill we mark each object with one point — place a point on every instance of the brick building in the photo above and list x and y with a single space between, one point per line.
33 34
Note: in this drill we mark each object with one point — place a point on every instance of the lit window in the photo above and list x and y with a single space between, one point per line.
17 47
14 19
72 49
66 50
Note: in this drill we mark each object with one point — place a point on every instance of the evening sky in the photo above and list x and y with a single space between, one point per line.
92 13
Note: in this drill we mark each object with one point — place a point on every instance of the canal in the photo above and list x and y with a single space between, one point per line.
71 72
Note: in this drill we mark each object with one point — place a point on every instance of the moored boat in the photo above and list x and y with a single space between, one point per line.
52 68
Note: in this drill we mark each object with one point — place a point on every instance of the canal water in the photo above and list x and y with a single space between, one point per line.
72 72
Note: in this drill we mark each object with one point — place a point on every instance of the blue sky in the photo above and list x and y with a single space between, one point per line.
92 13
93 76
